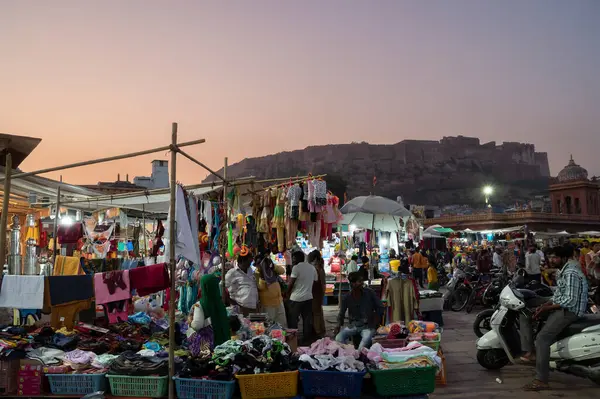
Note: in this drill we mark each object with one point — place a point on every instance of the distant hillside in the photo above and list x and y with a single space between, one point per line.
450 171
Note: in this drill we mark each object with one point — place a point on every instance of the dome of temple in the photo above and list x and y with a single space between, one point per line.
572 172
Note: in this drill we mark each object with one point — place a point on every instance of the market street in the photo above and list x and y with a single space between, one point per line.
467 379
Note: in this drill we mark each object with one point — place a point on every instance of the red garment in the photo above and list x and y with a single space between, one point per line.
149 279
69 234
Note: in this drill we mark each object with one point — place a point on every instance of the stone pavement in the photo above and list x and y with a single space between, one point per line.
467 379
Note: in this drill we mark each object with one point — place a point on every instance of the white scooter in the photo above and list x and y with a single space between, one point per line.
576 351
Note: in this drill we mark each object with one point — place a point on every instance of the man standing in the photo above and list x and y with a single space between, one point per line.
497 258
300 292
364 312
241 286
420 265
567 305
533 265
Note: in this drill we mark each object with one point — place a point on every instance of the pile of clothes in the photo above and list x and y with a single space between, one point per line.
326 354
413 355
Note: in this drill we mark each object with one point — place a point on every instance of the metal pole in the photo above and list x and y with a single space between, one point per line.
5 200
371 266
144 227
54 241
107 159
226 207
172 238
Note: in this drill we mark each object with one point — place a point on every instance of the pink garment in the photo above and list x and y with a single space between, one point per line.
327 346
118 315
102 292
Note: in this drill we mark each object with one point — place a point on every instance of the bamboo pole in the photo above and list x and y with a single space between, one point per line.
5 203
104 198
293 181
172 238
54 241
226 206
194 160
107 159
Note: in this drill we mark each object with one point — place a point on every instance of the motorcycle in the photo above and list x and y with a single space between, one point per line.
455 282
576 351
482 325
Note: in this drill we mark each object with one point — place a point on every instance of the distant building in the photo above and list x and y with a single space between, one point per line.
572 193
159 177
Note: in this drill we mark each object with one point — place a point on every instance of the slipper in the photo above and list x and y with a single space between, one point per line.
536 386
526 360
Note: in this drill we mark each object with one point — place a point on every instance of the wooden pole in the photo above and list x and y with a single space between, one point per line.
107 159
172 238
54 241
194 160
226 207
5 202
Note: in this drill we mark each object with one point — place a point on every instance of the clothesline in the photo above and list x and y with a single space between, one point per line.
292 181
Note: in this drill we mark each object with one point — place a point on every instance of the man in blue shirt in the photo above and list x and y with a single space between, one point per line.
567 305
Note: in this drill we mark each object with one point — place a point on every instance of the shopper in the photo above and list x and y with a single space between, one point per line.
300 288
352 265
269 289
210 310
364 268
364 313
420 265
241 286
533 265
432 278
315 259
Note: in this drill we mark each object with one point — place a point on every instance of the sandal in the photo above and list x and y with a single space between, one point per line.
536 386
526 360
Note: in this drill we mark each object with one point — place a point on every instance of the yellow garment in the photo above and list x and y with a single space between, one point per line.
269 295
67 266
432 276
64 315
395 265
401 296
420 261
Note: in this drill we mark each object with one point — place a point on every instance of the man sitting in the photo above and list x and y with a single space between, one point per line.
364 312
567 305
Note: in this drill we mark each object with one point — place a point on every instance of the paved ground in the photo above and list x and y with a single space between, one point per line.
467 379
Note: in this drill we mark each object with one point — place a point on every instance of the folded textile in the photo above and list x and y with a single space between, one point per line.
22 292
67 266
149 279
64 289
78 359
327 346
47 356
130 363
112 286
103 361
331 362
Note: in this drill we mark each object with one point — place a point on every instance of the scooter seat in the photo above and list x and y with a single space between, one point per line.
580 325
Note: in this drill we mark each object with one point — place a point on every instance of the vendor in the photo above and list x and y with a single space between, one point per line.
364 312
269 289
209 311
241 286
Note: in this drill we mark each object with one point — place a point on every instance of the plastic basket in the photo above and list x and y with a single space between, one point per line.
332 383
390 342
273 385
146 387
76 384
407 381
189 388
435 345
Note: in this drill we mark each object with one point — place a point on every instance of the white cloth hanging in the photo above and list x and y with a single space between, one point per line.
193 206
184 241
22 292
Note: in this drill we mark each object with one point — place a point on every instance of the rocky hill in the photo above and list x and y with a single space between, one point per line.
450 171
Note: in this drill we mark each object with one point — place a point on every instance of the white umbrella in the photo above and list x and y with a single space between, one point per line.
375 213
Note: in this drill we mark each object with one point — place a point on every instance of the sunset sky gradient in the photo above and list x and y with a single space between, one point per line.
99 78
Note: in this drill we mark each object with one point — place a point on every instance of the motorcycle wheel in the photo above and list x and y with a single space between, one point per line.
492 359
459 299
482 325
471 302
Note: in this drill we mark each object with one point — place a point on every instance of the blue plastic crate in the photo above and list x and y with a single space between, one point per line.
332 383
76 384
190 388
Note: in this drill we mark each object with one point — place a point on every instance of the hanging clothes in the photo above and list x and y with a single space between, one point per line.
400 293
186 244
193 211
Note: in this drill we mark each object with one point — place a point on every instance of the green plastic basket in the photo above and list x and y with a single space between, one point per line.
145 387
407 381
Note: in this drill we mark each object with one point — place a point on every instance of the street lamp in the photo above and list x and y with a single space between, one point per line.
487 191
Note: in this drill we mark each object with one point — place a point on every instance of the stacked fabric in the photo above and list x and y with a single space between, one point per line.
326 354
413 355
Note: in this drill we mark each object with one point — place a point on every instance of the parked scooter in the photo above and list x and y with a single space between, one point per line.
576 351
95 395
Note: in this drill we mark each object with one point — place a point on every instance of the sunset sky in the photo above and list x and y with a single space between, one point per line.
99 78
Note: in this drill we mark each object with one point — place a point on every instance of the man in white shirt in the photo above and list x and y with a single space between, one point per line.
533 262
303 276
241 286
497 258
